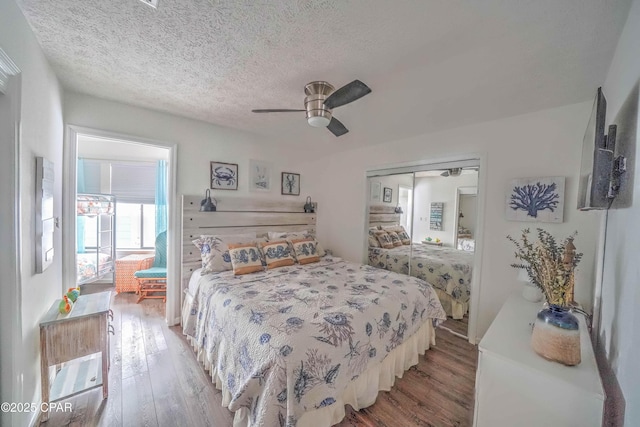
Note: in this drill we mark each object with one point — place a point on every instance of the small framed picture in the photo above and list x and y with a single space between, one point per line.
260 175
387 195
224 176
290 184
376 186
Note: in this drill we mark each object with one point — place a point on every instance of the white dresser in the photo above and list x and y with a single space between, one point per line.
516 387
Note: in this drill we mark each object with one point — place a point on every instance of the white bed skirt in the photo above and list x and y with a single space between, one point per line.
360 393
452 307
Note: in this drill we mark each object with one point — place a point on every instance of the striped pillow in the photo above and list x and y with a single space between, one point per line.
277 254
245 258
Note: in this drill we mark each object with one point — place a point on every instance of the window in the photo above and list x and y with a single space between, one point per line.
135 225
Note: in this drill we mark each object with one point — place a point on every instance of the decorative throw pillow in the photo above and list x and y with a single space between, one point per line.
214 250
384 239
394 238
404 238
277 254
305 250
396 228
245 258
295 235
373 241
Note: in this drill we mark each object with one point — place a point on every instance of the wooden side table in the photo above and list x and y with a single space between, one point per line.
125 267
68 337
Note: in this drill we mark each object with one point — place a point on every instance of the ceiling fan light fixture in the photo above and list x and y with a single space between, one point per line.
318 121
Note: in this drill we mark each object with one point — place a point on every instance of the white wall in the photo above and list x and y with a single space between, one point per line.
545 143
439 189
619 333
198 144
42 132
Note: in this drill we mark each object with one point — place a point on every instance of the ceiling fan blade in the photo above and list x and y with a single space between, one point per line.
275 110
336 127
346 94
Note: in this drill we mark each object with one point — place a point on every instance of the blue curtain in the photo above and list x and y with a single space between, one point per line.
80 188
161 197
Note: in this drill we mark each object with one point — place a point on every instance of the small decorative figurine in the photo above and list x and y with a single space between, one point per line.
73 294
65 305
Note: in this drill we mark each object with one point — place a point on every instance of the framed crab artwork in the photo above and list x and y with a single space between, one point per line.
224 176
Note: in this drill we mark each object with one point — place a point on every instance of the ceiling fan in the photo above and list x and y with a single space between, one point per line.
321 99
452 172
458 171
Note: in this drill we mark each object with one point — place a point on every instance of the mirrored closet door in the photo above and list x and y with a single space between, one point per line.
423 224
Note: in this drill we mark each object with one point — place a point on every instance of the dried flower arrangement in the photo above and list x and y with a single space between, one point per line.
551 267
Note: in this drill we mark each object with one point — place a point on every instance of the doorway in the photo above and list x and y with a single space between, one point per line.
122 154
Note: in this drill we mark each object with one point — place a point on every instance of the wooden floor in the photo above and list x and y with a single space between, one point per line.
155 380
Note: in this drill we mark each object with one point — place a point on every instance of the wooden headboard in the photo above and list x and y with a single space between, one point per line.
237 215
383 215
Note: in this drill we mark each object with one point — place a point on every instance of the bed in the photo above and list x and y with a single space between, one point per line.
294 345
448 270
95 256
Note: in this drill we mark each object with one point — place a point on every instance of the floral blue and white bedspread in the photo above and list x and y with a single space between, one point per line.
289 340
446 269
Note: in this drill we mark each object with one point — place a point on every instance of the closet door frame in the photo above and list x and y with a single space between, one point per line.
461 160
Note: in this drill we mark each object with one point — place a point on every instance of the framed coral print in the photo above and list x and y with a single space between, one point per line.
290 184
536 199
224 176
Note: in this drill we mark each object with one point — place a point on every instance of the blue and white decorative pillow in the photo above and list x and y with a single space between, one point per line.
295 235
277 254
404 237
305 250
214 250
394 238
373 241
245 258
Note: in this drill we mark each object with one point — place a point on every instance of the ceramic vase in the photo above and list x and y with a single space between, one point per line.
556 335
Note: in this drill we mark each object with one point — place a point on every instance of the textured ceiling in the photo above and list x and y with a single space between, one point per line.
432 64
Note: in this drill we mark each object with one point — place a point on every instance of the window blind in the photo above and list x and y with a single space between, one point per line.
133 182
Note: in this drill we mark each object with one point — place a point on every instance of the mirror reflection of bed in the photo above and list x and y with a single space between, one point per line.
427 230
